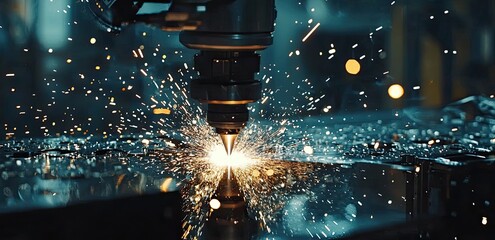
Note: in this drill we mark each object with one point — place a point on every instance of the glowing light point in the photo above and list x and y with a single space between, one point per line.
352 66
395 91
219 157
92 40
215 204
165 186
163 111
308 150
484 220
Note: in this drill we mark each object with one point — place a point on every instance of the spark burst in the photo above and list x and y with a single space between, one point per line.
258 162
265 180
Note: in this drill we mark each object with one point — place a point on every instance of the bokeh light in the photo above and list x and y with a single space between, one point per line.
352 66
215 204
395 91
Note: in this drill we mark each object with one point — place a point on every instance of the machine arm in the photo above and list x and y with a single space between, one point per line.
227 33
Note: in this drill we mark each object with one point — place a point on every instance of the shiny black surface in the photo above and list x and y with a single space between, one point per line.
407 175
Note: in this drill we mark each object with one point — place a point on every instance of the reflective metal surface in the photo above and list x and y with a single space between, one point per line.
337 179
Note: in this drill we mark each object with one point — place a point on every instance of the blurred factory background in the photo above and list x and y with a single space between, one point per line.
61 73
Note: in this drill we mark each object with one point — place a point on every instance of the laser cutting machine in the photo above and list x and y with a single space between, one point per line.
227 33
365 175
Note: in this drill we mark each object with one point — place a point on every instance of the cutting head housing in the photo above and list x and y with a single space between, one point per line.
227 32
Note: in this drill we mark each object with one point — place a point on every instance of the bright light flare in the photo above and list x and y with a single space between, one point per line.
219 157
308 150
165 186
162 111
395 91
215 204
352 66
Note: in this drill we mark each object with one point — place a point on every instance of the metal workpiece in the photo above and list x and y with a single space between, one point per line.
383 189
100 219
229 217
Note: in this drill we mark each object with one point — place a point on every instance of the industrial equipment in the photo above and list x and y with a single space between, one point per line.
227 33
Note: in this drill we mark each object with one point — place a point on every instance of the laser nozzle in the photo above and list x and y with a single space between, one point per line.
228 141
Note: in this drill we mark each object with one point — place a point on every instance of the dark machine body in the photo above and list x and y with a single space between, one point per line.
227 33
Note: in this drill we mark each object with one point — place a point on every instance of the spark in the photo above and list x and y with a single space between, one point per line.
143 72
264 100
140 53
164 111
484 220
310 32
164 187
